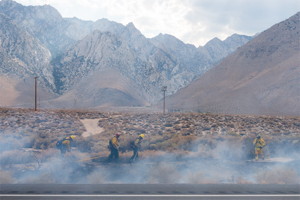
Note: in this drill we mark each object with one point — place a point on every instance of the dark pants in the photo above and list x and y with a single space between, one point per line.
114 154
135 155
64 148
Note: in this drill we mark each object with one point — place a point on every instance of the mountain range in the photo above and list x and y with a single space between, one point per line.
86 64
261 77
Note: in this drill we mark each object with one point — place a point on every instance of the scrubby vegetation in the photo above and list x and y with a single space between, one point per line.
22 128
28 138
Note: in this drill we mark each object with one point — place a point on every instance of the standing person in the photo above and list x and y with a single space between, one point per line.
135 146
65 144
259 143
114 148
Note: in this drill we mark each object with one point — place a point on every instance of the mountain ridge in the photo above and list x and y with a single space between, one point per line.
73 54
261 77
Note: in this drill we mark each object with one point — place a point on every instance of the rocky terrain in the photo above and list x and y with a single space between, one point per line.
178 143
45 127
67 53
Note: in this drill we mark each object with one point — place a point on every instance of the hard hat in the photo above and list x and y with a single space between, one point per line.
73 136
258 136
142 135
118 135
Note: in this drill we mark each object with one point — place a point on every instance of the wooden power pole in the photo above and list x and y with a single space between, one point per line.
164 89
35 93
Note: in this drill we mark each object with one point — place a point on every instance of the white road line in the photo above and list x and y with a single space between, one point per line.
149 195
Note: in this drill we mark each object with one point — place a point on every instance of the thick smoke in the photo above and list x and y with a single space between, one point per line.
220 167
207 160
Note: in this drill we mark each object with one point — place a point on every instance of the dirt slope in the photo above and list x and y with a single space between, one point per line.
20 93
262 77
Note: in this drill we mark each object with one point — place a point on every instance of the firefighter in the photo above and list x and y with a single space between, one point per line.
65 144
259 143
135 146
114 148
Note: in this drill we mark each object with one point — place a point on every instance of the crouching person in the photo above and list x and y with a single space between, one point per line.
114 148
65 144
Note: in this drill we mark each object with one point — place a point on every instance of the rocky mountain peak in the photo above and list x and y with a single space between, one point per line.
9 3
10 7
14 9
43 22
234 41
130 25
105 23
74 52
168 39
214 41
219 49
46 12
236 37
132 30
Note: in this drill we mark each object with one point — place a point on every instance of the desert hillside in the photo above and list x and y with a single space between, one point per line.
20 92
261 77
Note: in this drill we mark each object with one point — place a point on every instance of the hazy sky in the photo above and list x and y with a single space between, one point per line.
192 21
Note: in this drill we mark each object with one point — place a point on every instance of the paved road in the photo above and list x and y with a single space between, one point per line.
157 197
149 191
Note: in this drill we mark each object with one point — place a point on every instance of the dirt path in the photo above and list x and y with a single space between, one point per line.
91 126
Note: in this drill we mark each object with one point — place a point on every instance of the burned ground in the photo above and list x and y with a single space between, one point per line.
177 147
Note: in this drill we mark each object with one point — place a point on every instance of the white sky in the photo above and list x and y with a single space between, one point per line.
192 21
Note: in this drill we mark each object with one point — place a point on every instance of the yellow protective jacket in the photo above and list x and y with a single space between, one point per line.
259 143
67 140
114 142
137 142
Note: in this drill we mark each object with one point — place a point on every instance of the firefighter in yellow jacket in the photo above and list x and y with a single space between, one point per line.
65 144
259 143
114 148
135 146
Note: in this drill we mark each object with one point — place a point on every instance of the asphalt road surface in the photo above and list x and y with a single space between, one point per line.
149 191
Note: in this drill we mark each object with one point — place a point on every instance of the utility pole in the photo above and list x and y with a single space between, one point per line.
35 93
164 89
